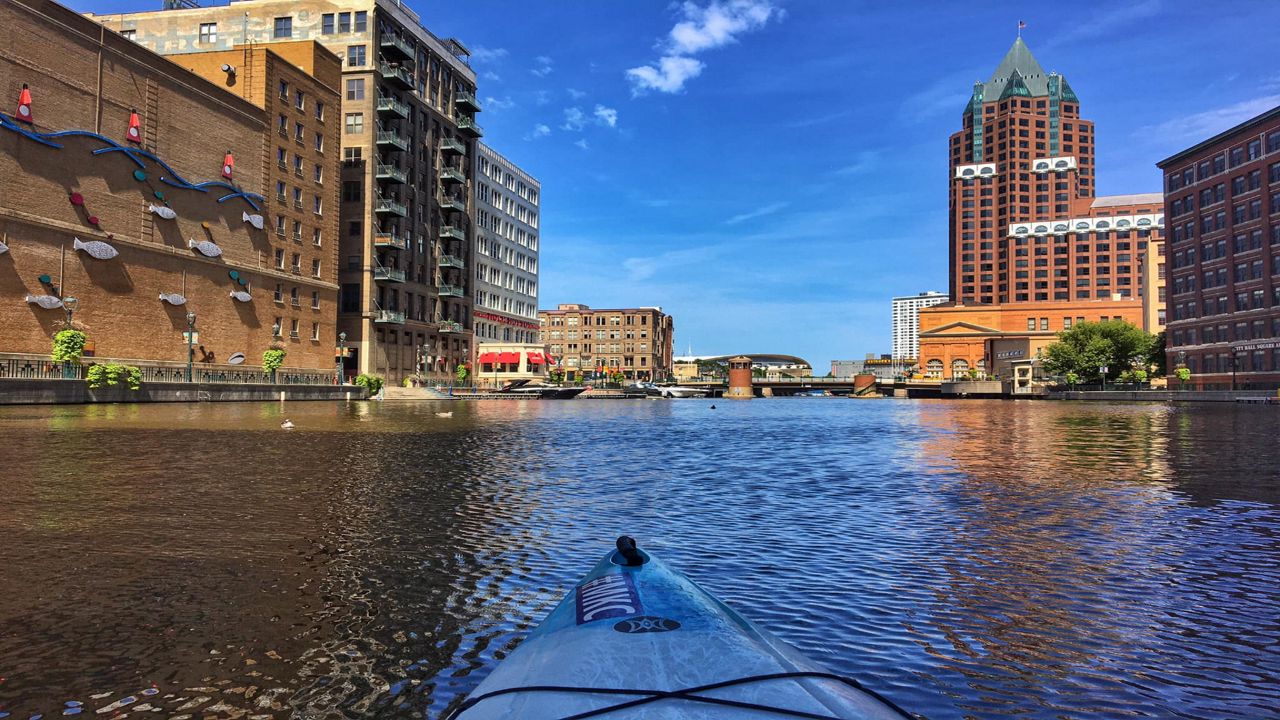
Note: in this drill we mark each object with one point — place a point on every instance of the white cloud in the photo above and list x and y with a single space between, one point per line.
582 143
606 116
1202 125
541 97
718 23
574 119
575 94
865 161
485 55
769 209
541 66
490 75
669 76
1111 17
702 28
492 103
538 131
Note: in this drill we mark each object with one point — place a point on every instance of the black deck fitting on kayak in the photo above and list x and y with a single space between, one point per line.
627 549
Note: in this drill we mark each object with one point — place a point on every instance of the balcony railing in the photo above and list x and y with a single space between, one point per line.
387 274
453 203
393 138
449 231
452 175
387 205
463 99
40 367
391 105
389 317
392 43
389 240
391 173
469 126
451 291
396 75
452 261
453 146
450 326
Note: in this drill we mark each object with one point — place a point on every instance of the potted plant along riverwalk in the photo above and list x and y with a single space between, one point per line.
272 359
68 347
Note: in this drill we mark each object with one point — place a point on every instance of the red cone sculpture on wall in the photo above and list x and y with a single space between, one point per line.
134 135
24 104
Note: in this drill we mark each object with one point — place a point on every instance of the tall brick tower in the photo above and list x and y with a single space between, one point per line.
1023 156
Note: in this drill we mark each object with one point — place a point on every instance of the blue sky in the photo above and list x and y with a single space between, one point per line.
772 172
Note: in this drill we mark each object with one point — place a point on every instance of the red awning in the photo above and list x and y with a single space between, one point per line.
488 357
550 360
509 357
535 358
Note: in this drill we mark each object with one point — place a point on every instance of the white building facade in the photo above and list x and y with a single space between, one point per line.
906 322
507 236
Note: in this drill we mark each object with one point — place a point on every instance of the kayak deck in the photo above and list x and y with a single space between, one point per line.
644 641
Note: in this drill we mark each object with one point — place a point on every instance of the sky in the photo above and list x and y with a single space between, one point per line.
773 172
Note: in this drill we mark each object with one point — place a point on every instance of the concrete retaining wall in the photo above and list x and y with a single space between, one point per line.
1157 395
70 392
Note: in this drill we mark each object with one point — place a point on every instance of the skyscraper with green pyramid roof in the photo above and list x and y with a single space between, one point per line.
1024 215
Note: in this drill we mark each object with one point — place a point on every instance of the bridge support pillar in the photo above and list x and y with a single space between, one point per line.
740 379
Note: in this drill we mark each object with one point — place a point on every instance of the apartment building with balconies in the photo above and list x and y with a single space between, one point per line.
506 259
408 139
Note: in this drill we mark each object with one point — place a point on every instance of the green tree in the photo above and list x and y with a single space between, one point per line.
372 382
461 372
68 346
1114 344
272 360
1158 357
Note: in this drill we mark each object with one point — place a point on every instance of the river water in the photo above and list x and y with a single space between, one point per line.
966 559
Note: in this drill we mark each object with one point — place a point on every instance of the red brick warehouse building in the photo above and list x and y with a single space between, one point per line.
1222 197
1026 224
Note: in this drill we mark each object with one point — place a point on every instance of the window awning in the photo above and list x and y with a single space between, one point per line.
535 358
509 357
488 357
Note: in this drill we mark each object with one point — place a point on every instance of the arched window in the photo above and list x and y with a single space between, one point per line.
959 367
934 368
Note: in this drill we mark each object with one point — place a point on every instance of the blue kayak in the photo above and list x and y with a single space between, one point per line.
636 639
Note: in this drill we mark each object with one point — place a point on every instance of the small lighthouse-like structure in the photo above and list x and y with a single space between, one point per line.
740 379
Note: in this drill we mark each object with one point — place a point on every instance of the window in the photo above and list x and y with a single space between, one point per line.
293 296
129 35
344 22
208 33
355 56
315 331
297 263
355 123
315 299
319 174
315 268
283 28
351 192
362 21
317 235
293 328
279 258
284 91
298 131
352 155
317 205
355 89
278 296
277 326
326 24
319 143
320 111
1031 323
1044 323
300 100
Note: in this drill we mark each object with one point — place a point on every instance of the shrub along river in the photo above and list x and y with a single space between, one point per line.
967 559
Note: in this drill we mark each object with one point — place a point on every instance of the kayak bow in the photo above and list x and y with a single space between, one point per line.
636 639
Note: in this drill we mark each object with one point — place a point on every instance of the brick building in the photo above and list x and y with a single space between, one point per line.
1222 197
987 339
587 342
1026 225
408 147
141 233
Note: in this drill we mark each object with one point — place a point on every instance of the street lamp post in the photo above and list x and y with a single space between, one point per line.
191 330
69 304
342 357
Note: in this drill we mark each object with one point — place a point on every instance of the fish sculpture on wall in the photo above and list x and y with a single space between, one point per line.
96 249
173 298
254 220
236 358
48 302
3 248
241 296
165 212
205 247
